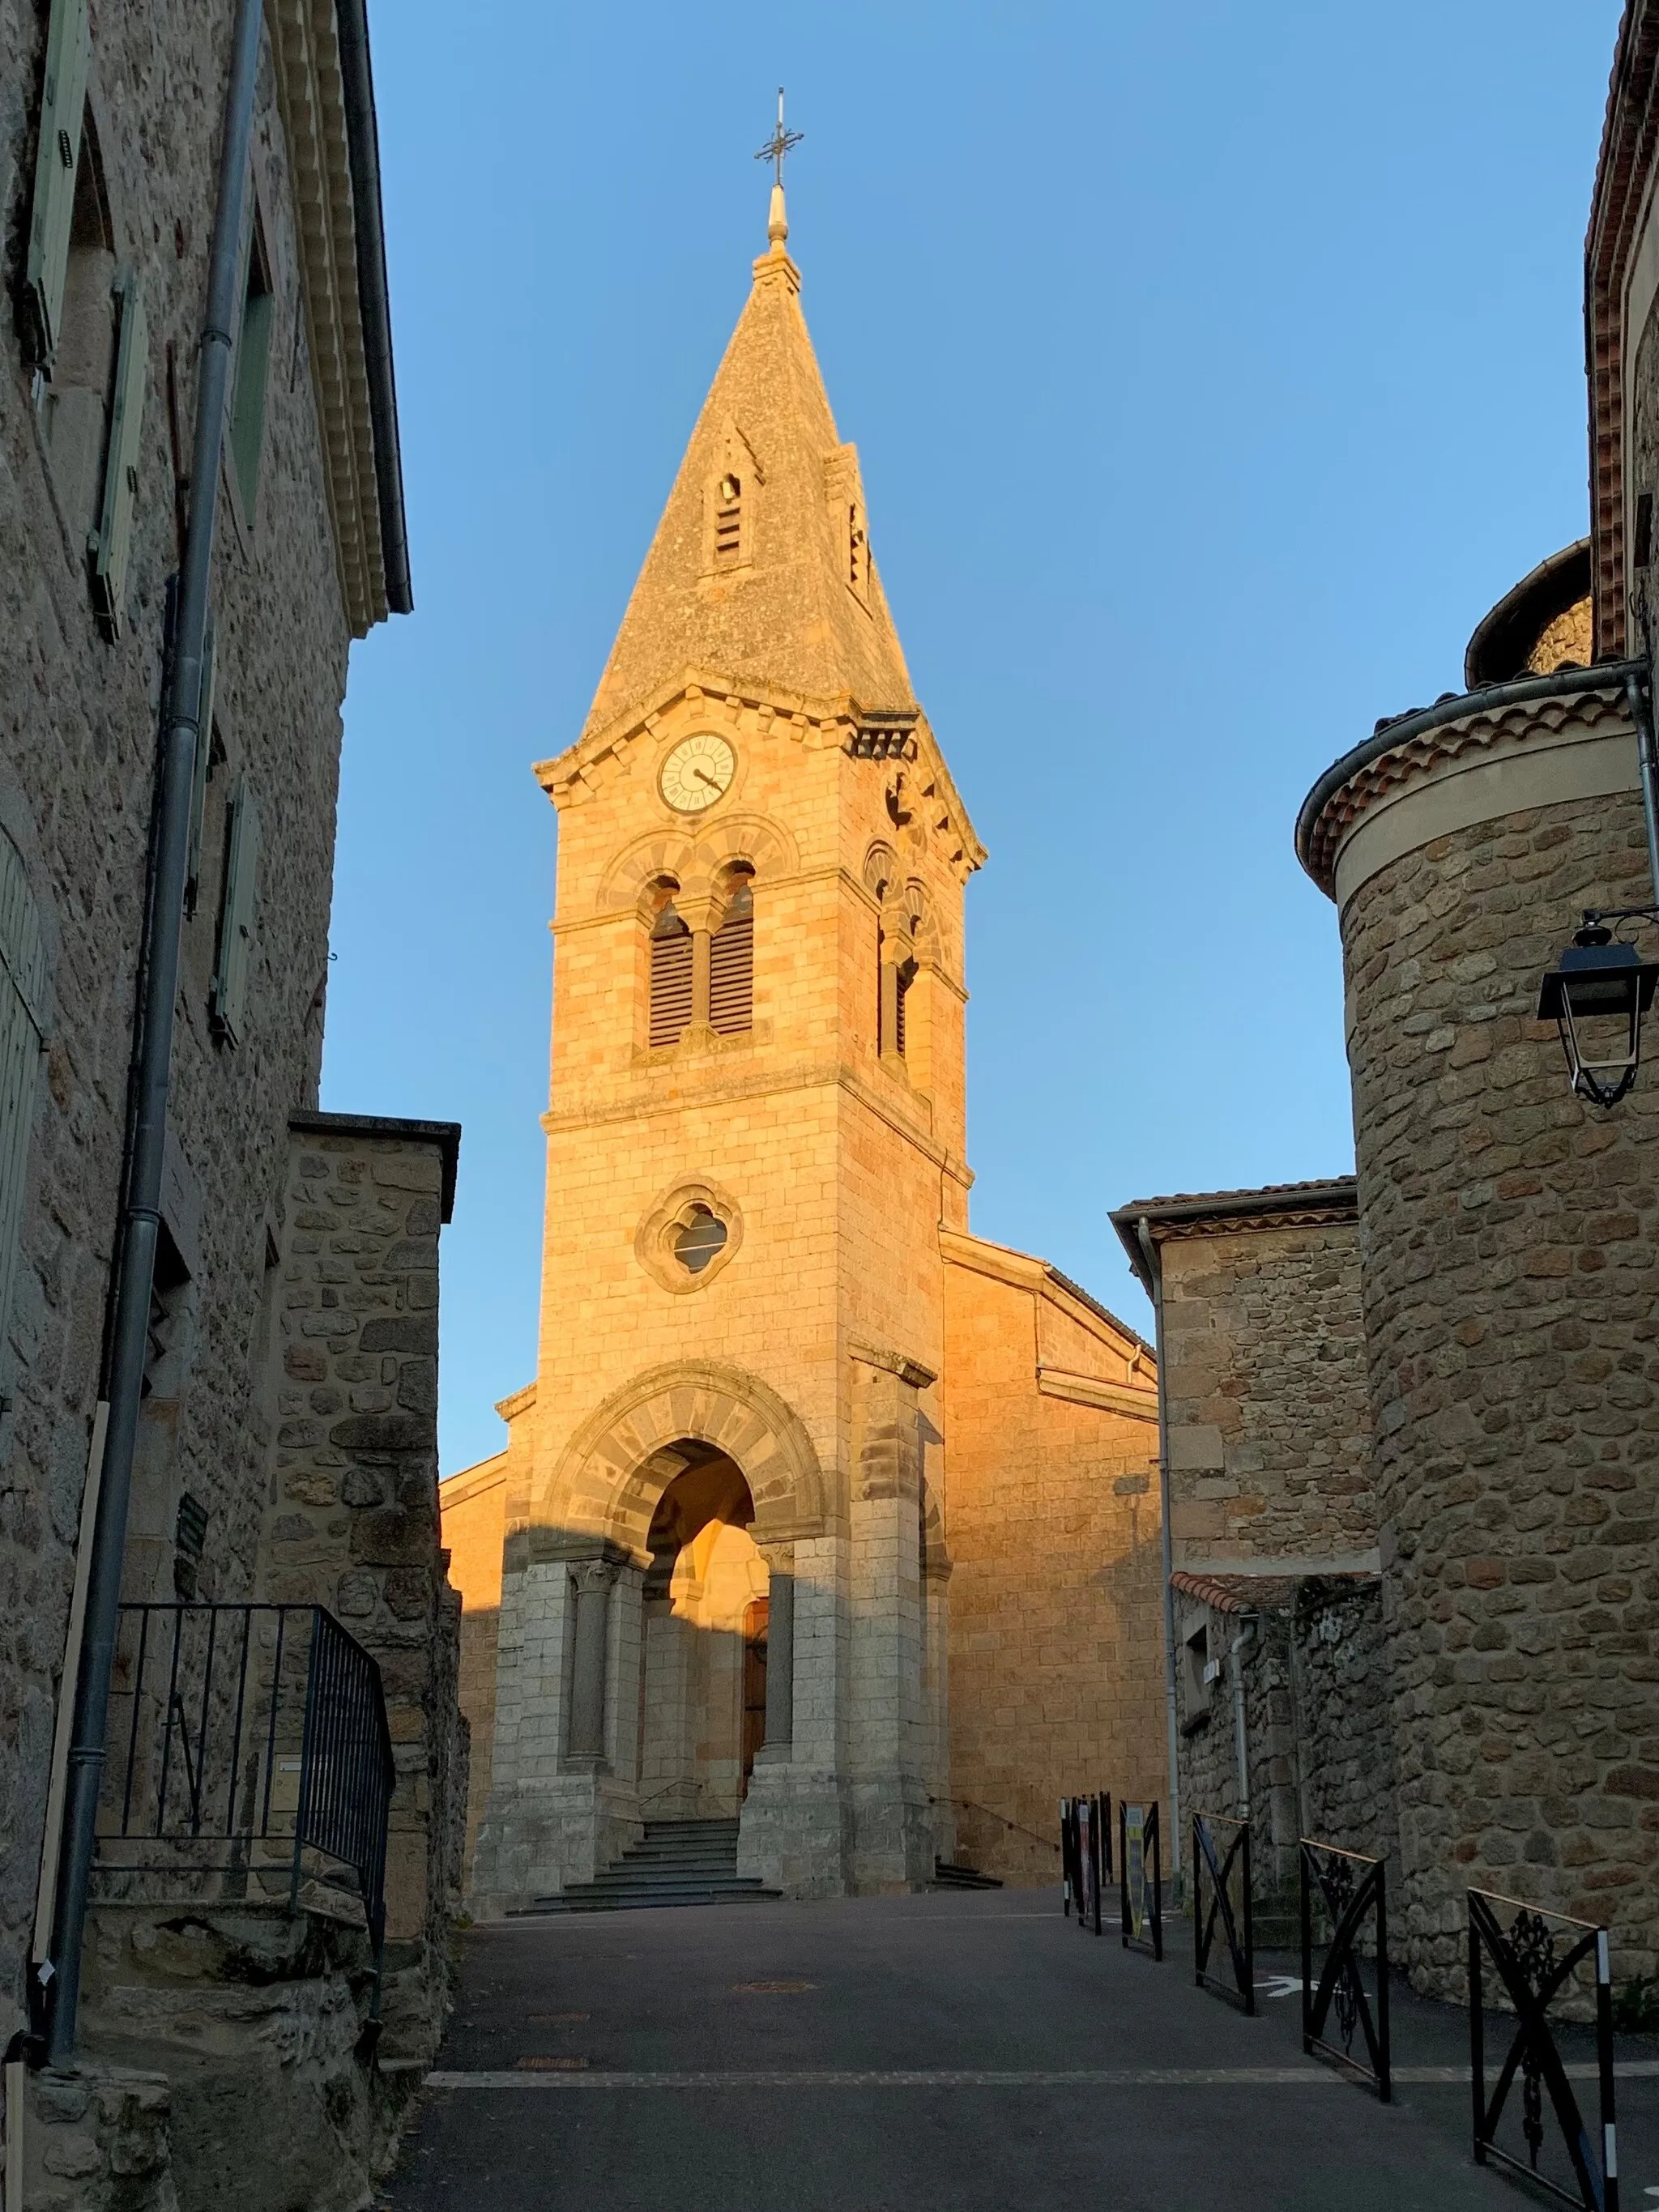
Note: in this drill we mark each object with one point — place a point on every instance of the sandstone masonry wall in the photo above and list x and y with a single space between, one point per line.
1052 1531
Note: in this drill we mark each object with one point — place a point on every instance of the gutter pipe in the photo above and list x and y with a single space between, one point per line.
1241 1643
1154 1278
1640 702
158 990
363 147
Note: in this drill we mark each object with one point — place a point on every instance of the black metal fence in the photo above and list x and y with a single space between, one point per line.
1540 1960
1345 1893
1221 1906
248 1747
1086 1844
1141 1879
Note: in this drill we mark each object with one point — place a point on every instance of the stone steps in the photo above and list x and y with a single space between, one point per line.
674 1862
949 1874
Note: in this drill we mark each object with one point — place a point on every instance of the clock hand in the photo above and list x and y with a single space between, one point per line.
706 778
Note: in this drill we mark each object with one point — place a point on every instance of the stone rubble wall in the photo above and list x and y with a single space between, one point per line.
97 2138
75 787
273 2096
1264 1383
1511 1288
1319 1743
354 1518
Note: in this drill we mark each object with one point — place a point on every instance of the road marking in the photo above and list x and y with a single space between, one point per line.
1123 2077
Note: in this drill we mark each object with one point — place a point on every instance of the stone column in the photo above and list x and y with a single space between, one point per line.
592 1581
700 908
779 1652
892 1829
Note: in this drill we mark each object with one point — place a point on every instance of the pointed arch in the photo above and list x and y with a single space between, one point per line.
621 1459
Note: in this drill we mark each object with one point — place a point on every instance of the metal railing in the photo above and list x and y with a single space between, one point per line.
1226 1874
1540 1957
1351 1890
248 1747
1085 1846
1141 1879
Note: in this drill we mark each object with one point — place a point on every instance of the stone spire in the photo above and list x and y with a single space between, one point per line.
760 567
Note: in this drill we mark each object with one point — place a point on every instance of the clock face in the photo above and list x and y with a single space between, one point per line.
698 772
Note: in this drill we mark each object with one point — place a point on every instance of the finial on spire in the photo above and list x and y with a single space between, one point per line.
779 144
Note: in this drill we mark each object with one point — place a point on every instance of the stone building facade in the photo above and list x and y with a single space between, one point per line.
1274 1620
715 1565
110 129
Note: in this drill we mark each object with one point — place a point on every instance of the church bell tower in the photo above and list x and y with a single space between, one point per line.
724 1565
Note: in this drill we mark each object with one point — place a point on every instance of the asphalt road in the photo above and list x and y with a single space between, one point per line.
903 2054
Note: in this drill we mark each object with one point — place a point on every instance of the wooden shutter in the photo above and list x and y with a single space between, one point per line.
731 969
671 978
68 51
231 977
113 540
23 1036
199 780
901 991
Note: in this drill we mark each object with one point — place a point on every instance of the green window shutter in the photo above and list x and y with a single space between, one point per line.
22 1038
112 542
247 412
200 782
230 981
68 50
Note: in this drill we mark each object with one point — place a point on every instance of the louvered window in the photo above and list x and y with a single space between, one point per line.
893 981
731 969
728 520
22 986
671 978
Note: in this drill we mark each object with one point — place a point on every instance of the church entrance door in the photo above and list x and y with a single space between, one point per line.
703 1704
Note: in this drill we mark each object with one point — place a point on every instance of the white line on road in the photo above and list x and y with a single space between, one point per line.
1125 2077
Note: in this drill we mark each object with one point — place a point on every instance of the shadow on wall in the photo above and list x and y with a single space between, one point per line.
1084 1713
704 1607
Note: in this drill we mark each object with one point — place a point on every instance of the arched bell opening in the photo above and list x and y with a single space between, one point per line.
702 1685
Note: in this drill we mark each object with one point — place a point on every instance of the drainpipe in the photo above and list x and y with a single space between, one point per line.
1241 1643
1155 1285
158 989
1639 699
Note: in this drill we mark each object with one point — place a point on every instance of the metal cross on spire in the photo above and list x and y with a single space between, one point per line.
781 143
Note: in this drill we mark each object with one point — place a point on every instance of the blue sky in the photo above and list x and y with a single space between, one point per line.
1212 369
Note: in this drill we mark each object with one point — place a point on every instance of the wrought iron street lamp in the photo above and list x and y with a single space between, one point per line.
1597 996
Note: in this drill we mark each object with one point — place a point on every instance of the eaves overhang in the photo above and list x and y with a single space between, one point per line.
1399 749
1145 1223
326 93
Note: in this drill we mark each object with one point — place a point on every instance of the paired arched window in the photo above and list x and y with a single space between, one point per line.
700 979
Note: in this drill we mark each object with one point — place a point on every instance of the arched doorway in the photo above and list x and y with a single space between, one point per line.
702 1679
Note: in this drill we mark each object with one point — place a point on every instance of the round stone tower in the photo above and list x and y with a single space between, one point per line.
1509 1237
